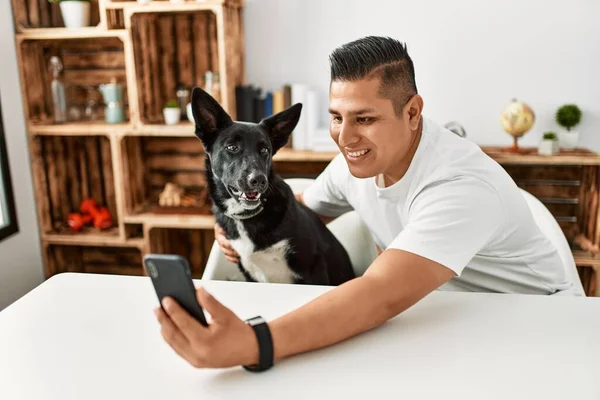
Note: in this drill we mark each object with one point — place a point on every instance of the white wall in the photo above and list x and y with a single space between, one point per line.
471 56
20 256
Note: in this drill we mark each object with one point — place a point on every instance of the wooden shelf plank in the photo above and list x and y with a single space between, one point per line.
69 33
88 236
91 240
287 154
84 128
586 259
182 129
529 156
164 6
172 221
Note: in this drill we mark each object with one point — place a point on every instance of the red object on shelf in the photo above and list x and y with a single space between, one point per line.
87 219
75 221
99 216
103 219
89 206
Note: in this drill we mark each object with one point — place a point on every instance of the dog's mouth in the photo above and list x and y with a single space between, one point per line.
247 197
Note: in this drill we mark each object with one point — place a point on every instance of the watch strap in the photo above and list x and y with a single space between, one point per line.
265 344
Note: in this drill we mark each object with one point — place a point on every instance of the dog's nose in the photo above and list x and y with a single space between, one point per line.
257 181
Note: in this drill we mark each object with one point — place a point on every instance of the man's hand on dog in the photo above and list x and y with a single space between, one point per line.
225 245
226 342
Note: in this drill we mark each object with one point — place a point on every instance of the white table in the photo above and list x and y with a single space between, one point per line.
80 336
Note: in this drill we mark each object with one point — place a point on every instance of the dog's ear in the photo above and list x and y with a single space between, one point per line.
281 125
209 116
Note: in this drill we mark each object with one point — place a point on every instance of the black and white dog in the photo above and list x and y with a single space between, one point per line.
278 239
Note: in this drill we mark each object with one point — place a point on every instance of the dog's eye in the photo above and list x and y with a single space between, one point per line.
264 151
232 148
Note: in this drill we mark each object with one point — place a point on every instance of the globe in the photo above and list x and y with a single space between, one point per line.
517 119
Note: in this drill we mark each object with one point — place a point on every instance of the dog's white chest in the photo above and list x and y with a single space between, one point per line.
267 265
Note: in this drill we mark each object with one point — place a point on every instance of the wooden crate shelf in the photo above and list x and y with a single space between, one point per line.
150 162
88 62
94 259
67 170
176 46
193 244
151 50
36 14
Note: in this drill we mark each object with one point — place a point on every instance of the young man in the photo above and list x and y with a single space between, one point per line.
447 216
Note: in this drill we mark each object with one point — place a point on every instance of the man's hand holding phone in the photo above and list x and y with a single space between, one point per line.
226 342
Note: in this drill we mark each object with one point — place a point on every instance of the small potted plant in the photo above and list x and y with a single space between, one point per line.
549 144
568 116
75 13
172 113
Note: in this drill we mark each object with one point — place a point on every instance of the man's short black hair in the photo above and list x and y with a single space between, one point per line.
377 57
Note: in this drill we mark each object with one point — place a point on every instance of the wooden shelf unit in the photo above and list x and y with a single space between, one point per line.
150 49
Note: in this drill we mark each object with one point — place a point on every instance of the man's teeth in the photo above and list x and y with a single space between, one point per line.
356 154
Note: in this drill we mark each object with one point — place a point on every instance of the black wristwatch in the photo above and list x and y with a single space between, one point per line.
265 344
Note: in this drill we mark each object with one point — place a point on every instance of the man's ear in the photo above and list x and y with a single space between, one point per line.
281 125
209 116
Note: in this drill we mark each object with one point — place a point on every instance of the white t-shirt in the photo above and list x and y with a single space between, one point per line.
456 206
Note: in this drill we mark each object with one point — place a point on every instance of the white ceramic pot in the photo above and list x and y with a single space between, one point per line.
172 115
569 139
548 147
144 2
75 14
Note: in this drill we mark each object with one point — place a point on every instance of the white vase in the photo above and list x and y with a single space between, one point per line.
548 147
75 14
172 115
569 139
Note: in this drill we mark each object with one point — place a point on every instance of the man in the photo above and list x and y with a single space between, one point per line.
447 216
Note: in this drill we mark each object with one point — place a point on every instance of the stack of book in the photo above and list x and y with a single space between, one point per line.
253 104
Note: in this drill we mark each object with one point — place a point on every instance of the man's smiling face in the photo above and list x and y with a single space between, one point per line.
373 137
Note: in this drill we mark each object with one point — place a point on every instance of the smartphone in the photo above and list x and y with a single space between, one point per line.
171 276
